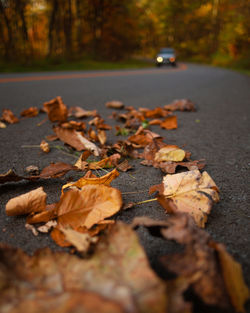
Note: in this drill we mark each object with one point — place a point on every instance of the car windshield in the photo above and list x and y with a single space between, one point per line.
167 50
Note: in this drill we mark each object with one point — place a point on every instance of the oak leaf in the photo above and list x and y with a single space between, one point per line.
33 201
190 192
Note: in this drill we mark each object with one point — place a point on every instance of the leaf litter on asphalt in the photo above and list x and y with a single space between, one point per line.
111 268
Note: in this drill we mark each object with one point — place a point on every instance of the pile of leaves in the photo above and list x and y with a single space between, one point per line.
110 271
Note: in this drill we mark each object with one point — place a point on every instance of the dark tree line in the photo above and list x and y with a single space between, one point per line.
115 29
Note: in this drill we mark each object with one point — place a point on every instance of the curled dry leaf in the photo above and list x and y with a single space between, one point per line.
47 227
190 192
155 113
31 112
2 125
204 265
56 110
76 140
79 112
88 206
104 180
33 201
31 228
9 117
10 176
180 105
45 216
44 146
70 284
170 167
170 122
170 153
80 241
114 104
102 137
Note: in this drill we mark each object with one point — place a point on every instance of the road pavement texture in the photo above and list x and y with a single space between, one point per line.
218 131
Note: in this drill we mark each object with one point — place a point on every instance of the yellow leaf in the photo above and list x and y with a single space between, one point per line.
167 153
190 192
233 278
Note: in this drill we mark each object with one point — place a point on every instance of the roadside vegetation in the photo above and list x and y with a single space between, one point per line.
101 34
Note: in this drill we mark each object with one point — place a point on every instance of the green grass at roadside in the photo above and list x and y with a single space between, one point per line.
63 65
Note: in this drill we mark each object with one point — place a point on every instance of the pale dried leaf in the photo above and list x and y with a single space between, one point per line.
169 153
33 201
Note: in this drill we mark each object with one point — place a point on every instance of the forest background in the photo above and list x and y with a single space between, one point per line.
51 32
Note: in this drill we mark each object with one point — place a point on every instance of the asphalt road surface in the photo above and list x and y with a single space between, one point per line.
217 132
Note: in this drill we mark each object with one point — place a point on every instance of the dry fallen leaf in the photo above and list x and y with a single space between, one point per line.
79 112
103 180
56 109
55 170
170 167
111 281
80 241
88 206
114 104
2 125
233 278
170 122
33 201
180 105
31 228
76 140
31 112
170 153
47 227
190 192
44 146
154 113
9 117
204 265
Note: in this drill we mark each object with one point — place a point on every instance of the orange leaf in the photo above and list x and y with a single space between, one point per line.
31 112
88 206
104 180
56 109
33 201
9 117
170 122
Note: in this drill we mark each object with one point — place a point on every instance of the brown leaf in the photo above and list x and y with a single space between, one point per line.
56 110
44 146
112 280
79 112
233 278
124 166
47 227
10 176
104 180
180 105
31 112
76 140
88 206
43 217
9 117
33 201
170 167
108 162
114 104
190 192
213 279
55 170
143 137
102 137
170 122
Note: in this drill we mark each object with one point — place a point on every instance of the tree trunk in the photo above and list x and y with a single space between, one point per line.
51 26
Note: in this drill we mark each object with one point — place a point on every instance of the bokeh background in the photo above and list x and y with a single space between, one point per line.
63 31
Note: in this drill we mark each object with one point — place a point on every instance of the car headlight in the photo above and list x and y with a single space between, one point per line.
159 59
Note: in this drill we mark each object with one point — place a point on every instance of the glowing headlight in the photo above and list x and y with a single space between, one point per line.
159 59
172 59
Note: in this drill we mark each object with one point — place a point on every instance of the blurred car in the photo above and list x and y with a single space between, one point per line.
166 56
